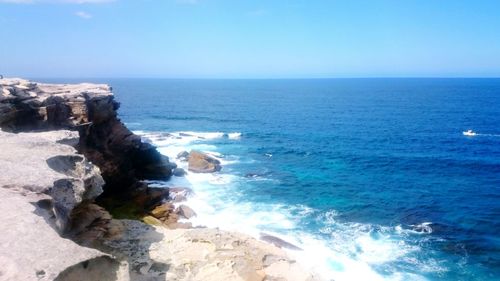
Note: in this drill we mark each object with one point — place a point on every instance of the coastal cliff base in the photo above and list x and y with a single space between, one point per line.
63 151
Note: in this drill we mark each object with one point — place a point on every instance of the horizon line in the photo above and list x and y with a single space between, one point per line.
256 78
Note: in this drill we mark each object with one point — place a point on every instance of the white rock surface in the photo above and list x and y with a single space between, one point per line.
158 253
41 181
37 163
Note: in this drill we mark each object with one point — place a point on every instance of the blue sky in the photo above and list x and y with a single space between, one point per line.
250 39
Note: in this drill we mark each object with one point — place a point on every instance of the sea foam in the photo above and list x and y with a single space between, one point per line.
344 251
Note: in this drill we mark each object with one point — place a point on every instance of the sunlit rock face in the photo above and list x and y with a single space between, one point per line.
91 110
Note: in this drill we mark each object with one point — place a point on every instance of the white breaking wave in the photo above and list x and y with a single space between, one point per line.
234 136
219 201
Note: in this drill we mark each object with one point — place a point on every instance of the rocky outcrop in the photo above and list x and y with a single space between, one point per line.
199 162
91 110
179 172
49 184
30 249
42 182
37 163
183 156
202 254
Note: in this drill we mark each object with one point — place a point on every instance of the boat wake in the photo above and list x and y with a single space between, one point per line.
470 133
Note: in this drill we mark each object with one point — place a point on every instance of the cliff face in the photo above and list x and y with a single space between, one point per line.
42 182
92 111
51 178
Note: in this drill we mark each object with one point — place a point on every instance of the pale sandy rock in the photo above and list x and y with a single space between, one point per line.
185 211
41 183
200 162
31 250
202 254
37 163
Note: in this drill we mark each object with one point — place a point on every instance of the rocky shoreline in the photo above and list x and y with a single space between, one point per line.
76 205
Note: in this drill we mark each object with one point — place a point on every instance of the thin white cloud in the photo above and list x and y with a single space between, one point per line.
56 1
83 15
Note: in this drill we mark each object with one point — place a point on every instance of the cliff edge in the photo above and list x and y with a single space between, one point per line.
92 111
63 147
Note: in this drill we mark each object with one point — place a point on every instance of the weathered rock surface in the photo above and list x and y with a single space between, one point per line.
91 109
202 254
199 162
35 162
185 211
278 242
32 250
42 182
47 192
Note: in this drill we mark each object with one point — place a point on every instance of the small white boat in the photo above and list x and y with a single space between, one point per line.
469 133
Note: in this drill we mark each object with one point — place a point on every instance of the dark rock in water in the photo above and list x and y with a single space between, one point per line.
179 194
185 211
179 172
253 175
183 156
179 198
199 162
278 242
189 135
181 190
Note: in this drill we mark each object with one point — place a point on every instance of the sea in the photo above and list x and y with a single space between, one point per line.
373 179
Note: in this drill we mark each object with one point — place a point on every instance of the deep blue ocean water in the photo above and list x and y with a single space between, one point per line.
372 177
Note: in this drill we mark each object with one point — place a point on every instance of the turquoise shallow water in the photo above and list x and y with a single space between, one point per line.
372 177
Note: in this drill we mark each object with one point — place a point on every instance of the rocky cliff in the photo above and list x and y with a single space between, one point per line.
42 182
91 110
61 148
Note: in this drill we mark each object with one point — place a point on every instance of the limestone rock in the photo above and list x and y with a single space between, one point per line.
31 250
203 254
91 109
185 211
35 162
202 163
43 182
163 210
151 220
278 242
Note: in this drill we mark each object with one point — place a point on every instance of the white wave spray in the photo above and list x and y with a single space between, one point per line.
351 251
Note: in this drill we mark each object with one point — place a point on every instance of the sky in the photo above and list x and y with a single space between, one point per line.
249 39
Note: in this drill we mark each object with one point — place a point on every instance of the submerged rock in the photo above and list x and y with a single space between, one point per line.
183 156
278 242
202 163
179 194
179 172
